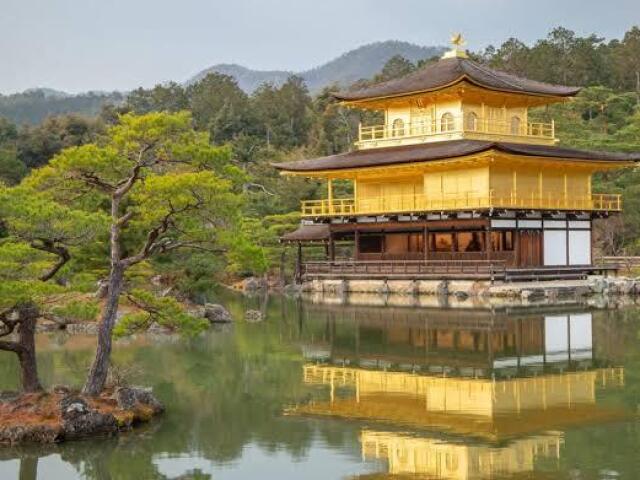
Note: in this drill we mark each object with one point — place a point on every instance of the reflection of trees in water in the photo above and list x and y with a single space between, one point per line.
223 391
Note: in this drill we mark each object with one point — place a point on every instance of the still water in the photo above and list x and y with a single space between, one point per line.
331 391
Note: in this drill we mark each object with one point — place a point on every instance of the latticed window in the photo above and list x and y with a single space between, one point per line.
398 127
516 125
471 122
446 122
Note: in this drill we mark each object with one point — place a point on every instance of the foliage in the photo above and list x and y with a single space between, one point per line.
34 106
164 311
78 310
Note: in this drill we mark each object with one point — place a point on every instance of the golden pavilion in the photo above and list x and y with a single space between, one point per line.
459 181
484 395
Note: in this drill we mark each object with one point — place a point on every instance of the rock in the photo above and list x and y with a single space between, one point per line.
8 396
78 424
72 405
129 398
597 284
442 289
292 289
46 326
78 420
216 313
61 390
103 287
30 434
532 294
460 295
157 329
253 316
85 328
252 284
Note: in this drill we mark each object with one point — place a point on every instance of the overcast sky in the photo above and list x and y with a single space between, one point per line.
79 45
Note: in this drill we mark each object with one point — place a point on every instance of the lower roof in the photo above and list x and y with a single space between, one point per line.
375 157
308 233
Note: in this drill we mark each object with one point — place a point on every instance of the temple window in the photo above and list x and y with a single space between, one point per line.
470 242
371 244
441 242
471 122
502 241
446 122
416 242
516 124
398 127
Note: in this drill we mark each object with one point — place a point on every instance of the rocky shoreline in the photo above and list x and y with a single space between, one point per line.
64 414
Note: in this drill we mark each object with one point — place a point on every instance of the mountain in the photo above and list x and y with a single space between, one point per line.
363 62
35 104
248 80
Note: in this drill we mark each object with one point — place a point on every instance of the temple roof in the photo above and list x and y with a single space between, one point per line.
425 152
307 233
448 72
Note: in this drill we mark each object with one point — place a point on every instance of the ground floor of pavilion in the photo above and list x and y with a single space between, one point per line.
520 245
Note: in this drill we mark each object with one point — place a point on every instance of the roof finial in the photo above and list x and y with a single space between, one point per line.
458 50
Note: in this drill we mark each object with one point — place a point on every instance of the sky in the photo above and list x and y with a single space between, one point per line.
80 45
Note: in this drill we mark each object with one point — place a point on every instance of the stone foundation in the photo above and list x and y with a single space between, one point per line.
462 289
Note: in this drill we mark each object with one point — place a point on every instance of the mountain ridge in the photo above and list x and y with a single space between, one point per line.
35 104
359 63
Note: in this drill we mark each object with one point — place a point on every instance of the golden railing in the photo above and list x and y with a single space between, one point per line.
454 125
399 204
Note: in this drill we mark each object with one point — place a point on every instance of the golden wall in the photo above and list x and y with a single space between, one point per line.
478 182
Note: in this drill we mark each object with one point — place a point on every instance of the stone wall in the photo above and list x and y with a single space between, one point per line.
550 290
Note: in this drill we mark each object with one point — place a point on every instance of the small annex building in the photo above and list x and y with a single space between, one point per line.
458 182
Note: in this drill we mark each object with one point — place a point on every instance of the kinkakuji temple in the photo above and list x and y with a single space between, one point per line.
458 182
477 395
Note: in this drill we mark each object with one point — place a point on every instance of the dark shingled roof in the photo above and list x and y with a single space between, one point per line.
450 71
307 233
423 152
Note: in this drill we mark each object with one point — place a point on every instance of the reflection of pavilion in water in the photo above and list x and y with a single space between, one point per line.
492 391
465 343
437 459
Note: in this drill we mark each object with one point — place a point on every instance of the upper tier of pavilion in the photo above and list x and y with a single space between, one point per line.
456 98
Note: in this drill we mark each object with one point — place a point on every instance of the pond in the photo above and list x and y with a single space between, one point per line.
332 391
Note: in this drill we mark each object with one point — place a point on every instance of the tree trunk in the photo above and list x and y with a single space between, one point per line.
27 353
100 367
28 468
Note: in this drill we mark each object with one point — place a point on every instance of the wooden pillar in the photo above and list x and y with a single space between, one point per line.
425 241
330 195
516 246
356 247
332 248
298 275
355 195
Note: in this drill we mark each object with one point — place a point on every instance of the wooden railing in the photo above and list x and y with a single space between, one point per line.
398 204
489 269
456 125
625 263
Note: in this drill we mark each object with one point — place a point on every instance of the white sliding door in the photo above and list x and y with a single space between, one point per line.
579 247
555 247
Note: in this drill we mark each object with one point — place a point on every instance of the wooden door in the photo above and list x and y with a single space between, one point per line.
529 248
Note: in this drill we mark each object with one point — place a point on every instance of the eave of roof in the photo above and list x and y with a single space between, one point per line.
445 150
307 233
